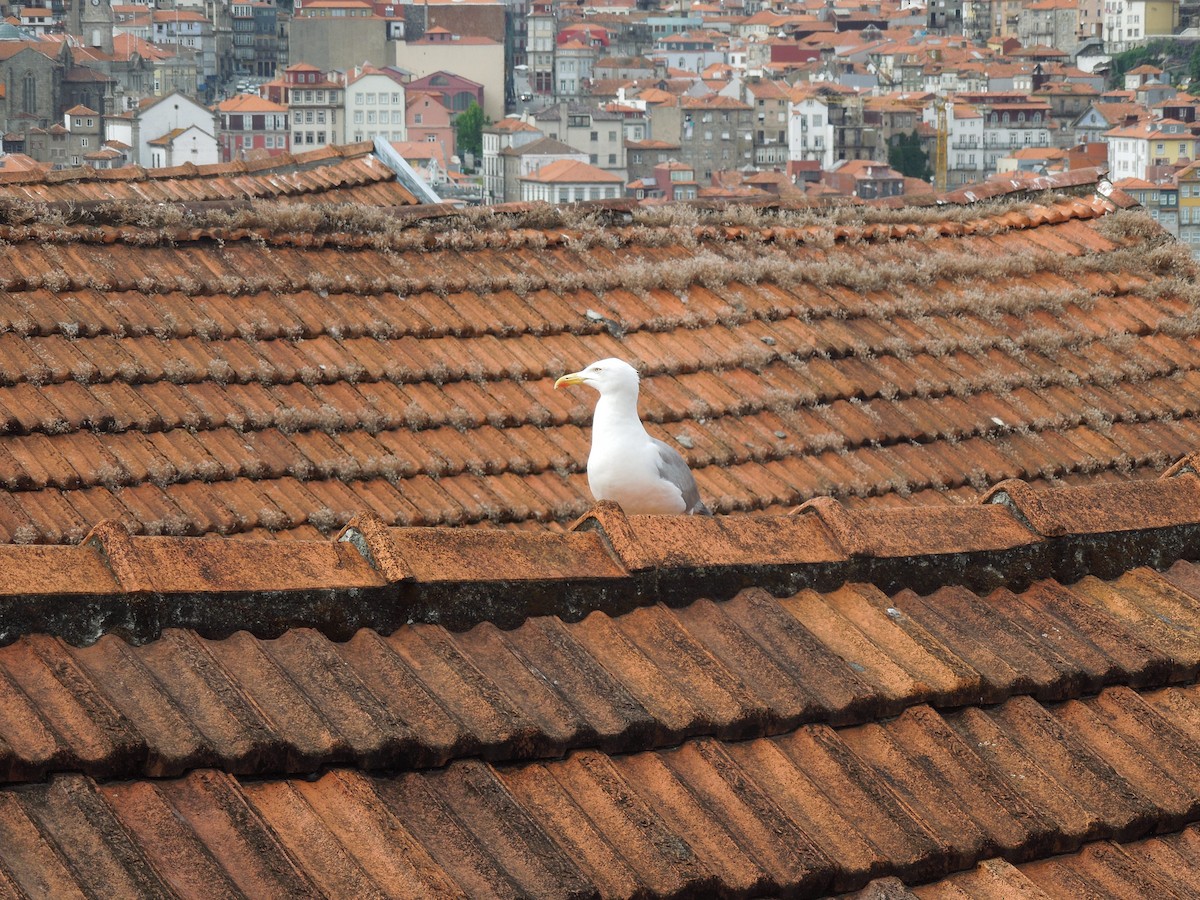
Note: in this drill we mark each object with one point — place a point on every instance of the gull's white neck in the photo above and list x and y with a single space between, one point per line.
617 413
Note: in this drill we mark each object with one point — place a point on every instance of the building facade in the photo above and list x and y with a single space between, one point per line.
375 107
250 123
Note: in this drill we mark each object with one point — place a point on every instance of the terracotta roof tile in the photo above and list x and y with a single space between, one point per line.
351 175
848 697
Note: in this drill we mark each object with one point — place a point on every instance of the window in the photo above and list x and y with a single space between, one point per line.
83 142
29 93
358 99
308 117
358 117
370 117
612 136
370 99
595 136
612 159
593 159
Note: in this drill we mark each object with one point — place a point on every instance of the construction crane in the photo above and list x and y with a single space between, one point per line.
940 165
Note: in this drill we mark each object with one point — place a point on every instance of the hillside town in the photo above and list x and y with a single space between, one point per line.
492 101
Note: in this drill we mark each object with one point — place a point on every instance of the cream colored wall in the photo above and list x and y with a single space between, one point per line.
479 62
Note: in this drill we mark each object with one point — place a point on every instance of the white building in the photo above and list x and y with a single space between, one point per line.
1134 150
569 181
964 144
810 134
167 118
1011 125
573 69
375 106
1128 23
183 145
691 51
192 33
315 103
498 137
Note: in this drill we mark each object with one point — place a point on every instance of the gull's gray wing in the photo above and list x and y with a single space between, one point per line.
674 468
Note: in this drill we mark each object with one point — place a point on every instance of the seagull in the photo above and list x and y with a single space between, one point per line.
641 473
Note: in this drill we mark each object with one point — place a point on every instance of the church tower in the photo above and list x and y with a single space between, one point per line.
92 22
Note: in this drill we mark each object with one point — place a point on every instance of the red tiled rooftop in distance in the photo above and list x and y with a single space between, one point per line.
570 171
249 103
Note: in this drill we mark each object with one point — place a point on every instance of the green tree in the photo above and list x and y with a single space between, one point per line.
468 130
1194 68
906 156
1156 53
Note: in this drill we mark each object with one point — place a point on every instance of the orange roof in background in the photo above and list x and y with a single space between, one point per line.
177 15
572 171
167 138
1135 184
508 124
125 45
249 103
655 96
20 162
712 101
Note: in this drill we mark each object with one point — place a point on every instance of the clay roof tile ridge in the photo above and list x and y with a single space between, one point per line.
610 521
114 544
368 534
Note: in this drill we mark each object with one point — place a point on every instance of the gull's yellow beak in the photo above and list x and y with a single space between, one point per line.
573 378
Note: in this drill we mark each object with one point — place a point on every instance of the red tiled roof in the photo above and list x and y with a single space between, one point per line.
571 171
249 103
278 370
942 701
330 175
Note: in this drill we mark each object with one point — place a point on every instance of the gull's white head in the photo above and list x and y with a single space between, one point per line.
607 376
